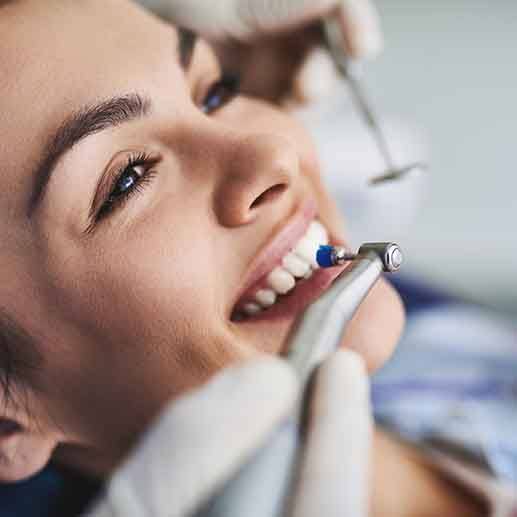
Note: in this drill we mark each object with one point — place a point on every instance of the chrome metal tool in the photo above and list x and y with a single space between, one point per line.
262 487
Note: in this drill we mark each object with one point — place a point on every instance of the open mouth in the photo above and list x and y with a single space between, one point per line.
292 282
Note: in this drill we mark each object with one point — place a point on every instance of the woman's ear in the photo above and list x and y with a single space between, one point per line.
24 451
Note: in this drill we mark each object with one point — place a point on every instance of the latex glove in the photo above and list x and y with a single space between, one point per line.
335 472
245 20
202 439
275 45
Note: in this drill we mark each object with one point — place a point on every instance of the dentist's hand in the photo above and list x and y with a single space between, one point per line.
245 20
201 440
275 45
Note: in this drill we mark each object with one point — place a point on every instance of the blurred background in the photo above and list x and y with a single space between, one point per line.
445 89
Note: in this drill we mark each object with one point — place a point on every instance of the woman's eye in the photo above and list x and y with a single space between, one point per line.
221 92
130 180
127 180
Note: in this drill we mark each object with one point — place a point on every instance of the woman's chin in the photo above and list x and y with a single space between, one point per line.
377 326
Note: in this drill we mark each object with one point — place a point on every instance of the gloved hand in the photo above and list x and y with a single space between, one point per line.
274 44
244 20
202 439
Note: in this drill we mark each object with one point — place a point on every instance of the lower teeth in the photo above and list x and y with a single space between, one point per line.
308 274
304 252
253 308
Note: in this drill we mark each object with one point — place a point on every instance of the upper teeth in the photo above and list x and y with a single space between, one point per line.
298 263
298 267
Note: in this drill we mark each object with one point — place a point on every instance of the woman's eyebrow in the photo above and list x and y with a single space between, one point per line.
81 124
98 117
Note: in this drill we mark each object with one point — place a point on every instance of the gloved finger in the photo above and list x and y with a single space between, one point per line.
316 79
334 472
361 28
201 440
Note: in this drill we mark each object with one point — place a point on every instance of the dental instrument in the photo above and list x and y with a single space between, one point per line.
333 37
392 258
262 487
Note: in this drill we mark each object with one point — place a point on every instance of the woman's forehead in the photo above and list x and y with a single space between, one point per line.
58 56
53 48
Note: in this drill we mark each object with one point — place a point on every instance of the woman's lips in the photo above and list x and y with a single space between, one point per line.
287 307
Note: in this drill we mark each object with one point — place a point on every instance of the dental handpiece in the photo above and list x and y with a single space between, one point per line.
390 254
262 487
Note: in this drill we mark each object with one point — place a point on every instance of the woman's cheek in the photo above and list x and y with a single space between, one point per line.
377 326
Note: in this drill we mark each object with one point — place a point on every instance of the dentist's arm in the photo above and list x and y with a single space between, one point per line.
201 441
245 20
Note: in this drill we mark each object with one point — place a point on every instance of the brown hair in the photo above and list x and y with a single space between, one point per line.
20 359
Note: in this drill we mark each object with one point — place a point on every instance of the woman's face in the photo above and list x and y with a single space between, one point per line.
168 203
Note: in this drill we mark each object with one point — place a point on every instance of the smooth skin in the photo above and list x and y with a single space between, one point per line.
132 313
129 313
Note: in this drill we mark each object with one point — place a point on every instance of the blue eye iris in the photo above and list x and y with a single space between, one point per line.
221 93
126 182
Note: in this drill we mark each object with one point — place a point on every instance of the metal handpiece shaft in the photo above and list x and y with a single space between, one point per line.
262 487
320 331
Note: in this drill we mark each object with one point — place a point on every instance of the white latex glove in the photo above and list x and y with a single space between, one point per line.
335 472
201 440
244 20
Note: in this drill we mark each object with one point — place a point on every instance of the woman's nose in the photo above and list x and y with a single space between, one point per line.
259 173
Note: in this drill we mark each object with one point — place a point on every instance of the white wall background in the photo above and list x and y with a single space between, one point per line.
450 67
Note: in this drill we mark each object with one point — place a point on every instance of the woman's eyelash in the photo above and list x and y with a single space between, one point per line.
127 182
221 92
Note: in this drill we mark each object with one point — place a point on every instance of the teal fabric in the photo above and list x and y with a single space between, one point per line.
51 493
